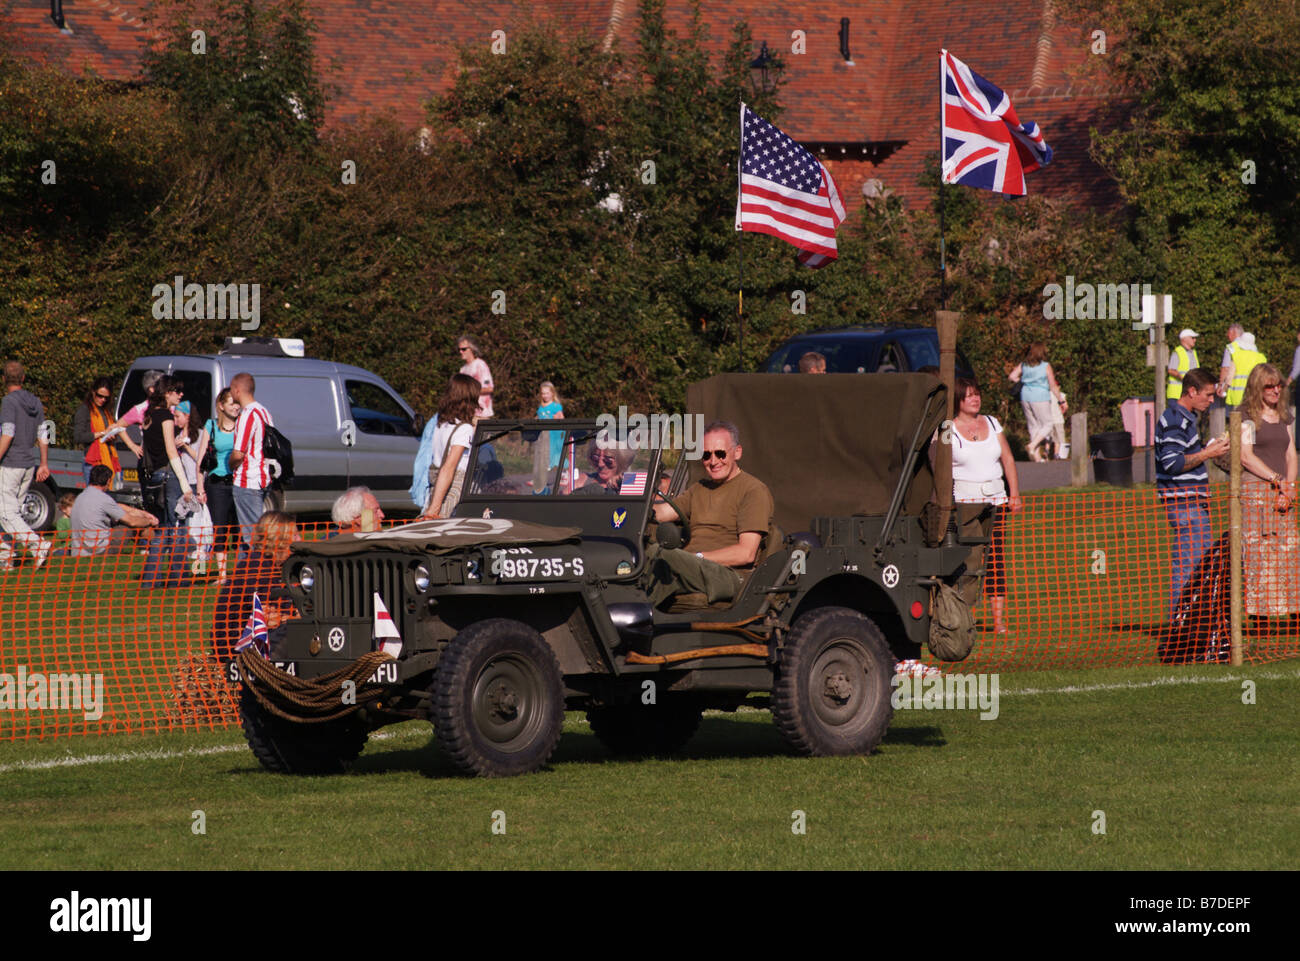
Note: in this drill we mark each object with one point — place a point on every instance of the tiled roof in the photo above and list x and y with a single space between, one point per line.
392 55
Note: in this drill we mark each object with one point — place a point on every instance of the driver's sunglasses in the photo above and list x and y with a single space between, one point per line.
710 454
604 460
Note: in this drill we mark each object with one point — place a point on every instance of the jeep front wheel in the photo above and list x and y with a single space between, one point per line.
498 699
832 693
286 747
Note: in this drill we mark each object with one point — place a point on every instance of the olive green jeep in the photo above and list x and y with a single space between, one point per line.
531 599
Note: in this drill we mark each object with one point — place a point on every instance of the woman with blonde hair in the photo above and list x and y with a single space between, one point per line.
258 573
1039 392
1268 459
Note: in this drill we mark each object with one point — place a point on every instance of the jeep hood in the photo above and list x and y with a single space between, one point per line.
441 536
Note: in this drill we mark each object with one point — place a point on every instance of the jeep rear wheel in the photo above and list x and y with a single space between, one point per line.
636 729
286 747
498 699
832 693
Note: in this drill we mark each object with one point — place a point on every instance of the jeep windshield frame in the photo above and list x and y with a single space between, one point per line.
613 517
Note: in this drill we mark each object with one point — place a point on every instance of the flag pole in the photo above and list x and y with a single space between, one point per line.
740 245
943 263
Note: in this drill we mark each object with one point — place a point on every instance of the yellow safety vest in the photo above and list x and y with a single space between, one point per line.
1186 361
1243 362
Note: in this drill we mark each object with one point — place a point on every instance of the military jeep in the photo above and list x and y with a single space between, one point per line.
531 598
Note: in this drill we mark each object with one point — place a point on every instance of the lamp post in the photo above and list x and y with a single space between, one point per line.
766 70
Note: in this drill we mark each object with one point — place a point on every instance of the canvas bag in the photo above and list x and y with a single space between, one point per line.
952 625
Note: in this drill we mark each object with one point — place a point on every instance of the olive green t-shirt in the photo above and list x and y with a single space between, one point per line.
720 513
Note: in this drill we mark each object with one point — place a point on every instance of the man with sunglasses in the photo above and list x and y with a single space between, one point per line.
729 513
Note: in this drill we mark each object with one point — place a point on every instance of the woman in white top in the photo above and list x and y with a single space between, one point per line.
451 443
983 471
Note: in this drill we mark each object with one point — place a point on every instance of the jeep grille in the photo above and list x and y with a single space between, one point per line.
345 586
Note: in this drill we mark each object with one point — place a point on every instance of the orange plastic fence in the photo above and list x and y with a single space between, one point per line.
88 647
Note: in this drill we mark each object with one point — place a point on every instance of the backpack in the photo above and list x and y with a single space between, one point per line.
952 626
276 447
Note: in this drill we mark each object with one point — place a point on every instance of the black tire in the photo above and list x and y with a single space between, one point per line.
498 699
38 508
645 729
832 693
288 748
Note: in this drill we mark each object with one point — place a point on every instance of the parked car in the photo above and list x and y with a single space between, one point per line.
347 425
864 350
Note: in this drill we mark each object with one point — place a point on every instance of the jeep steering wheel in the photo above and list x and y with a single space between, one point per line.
681 523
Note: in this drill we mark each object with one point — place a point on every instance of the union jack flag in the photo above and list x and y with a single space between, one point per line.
255 633
984 143
785 191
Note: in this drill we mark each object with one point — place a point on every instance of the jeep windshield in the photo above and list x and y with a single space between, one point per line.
535 461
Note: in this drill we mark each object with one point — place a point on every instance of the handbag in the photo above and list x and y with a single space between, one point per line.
1016 388
210 455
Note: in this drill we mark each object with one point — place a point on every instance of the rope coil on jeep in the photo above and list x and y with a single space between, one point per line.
310 701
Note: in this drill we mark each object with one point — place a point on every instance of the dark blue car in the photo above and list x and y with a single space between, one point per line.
864 350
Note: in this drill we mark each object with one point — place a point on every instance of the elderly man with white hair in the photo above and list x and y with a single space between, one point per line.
357 510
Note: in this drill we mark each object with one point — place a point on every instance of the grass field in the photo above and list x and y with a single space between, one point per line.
1187 775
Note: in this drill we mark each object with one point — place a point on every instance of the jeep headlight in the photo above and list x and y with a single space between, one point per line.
421 575
472 570
307 578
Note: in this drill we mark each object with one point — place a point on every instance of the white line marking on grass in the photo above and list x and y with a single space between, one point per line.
1156 682
117 758
74 761
1089 688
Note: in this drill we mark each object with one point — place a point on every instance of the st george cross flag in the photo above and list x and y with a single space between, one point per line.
255 633
984 143
785 191
385 633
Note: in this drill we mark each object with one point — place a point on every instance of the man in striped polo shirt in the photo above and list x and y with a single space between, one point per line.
1181 479
251 477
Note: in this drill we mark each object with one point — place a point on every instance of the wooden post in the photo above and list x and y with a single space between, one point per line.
1218 426
945 322
1079 450
1234 534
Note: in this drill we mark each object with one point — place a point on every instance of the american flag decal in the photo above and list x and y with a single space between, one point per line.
984 143
633 482
785 191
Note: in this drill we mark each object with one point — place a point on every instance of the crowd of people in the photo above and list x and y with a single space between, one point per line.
211 474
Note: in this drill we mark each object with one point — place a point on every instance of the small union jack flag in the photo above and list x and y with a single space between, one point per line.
633 482
255 632
984 143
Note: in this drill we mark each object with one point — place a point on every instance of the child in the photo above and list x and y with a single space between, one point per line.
546 454
63 526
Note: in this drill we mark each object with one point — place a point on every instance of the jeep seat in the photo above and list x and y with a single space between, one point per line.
773 543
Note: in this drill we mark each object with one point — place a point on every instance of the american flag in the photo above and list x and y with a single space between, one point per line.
633 482
984 143
785 191
255 634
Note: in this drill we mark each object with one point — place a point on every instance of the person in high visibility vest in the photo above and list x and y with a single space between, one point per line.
1181 360
1235 330
1243 359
